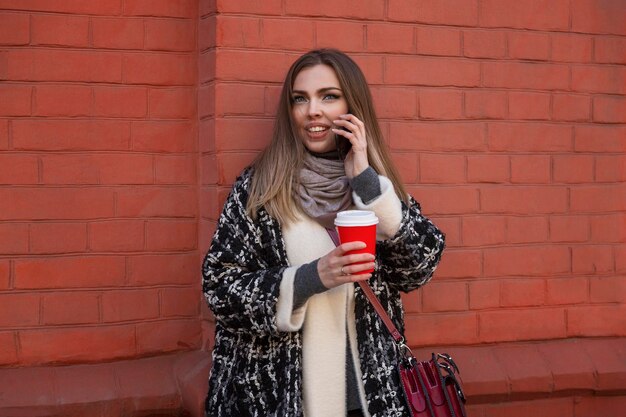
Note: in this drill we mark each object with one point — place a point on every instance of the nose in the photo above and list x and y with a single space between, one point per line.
314 109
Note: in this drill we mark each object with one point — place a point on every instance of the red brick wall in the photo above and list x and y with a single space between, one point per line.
124 122
98 180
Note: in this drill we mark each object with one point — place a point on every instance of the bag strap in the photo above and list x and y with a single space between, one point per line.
374 301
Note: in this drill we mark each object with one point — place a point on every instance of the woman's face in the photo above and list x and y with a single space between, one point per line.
317 101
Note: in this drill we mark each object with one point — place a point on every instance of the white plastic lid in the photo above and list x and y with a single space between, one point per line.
356 218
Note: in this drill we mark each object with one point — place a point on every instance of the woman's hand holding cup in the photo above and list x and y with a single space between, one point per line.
340 266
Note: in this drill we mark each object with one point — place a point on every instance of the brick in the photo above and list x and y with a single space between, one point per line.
530 324
604 406
592 259
488 168
484 230
440 104
239 99
87 385
598 198
522 292
610 168
559 355
528 375
484 44
569 228
181 302
533 137
58 237
484 104
16 100
164 269
571 107
448 12
438 41
229 166
390 38
530 169
161 393
175 170
98 169
208 28
529 106
573 168
396 103
157 202
406 164
433 329
117 33
19 310
8 350
14 29
599 139
599 79
609 109
170 35
351 39
431 168
425 136
207 136
608 228
53 203
209 170
4 134
589 16
271 7
18 169
609 50
14 238
158 69
207 66
279 34
116 236
163 8
207 102
60 30
607 290
51 345
120 102
59 135
525 75
162 136
167 336
130 305
63 100
590 321
5 271
526 261
452 229
371 66
235 31
530 14
461 264
25 388
365 9
70 272
528 45
71 308
171 235
412 302
527 229
63 65
482 375
172 103
571 48
103 8
524 200
249 66
484 294
456 298
447 200
607 356
432 71
556 407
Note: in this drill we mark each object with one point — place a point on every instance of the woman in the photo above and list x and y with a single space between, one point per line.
294 335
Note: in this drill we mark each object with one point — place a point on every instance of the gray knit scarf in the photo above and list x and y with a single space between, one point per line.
324 189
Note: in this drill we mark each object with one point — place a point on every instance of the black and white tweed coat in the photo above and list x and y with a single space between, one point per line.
256 369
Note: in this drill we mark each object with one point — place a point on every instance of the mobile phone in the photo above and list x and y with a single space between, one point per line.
343 145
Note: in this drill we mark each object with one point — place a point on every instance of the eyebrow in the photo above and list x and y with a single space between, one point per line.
321 90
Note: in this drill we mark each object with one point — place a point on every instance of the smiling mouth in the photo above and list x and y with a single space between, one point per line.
317 129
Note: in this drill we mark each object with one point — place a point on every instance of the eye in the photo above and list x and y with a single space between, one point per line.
299 99
331 97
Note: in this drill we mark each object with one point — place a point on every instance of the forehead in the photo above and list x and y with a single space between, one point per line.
315 78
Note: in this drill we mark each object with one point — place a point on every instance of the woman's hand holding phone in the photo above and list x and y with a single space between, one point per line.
353 129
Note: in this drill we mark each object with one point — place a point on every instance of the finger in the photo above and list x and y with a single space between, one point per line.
350 246
356 269
356 258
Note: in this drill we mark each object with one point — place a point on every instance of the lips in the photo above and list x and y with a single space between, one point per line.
316 130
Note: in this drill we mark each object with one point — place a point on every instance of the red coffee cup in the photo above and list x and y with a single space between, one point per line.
358 226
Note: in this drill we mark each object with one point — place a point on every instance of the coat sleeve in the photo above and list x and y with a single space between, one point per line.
241 272
407 260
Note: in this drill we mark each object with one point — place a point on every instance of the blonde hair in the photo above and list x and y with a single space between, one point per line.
276 169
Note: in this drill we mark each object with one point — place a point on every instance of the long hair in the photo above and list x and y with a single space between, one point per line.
276 169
